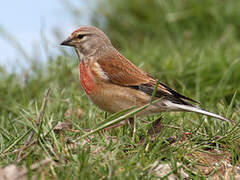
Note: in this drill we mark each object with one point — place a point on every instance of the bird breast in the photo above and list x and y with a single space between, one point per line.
86 78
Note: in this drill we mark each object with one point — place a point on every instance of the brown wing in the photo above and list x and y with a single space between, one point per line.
122 72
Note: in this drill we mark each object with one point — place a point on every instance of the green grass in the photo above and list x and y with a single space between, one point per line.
204 66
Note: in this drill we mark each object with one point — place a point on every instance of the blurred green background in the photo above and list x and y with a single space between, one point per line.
193 46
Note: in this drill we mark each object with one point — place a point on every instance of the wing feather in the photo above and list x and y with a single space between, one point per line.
122 72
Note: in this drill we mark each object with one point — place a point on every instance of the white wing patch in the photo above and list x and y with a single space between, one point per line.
98 70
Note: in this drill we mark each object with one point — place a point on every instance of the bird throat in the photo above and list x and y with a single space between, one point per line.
80 55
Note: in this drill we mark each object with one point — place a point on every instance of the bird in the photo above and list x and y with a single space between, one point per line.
113 83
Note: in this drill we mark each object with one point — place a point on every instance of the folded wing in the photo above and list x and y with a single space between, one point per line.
122 72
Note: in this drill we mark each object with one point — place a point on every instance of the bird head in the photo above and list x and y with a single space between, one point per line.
87 41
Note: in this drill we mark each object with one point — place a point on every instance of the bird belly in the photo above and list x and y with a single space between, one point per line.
114 98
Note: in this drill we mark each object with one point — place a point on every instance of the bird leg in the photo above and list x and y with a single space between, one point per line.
154 130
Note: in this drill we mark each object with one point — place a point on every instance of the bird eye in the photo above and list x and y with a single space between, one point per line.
80 36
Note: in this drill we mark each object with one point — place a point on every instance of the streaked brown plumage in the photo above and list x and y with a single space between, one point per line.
113 83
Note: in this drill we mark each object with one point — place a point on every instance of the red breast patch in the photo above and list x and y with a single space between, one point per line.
86 79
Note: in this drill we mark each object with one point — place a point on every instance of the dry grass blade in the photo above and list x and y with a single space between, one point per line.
117 120
38 121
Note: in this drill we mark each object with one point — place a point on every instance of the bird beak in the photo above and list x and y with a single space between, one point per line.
67 42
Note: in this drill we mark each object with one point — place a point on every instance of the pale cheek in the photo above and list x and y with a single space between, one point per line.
87 46
90 45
